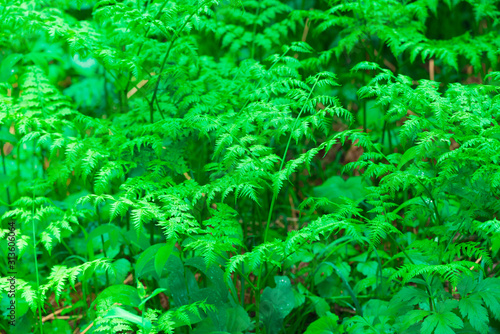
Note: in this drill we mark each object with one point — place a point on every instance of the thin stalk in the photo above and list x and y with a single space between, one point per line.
4 166
260 81
283 159
151 232
383 132
36 261
242 291
67 247
252 52
155 92
428 288
105 90
146 34
451 239
364 115
102 241
275 195
35 172
18 163
389 137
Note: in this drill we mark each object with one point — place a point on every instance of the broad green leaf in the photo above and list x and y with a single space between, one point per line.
350 291
409 154
117 312
276 303
442 323
146 257
213 273
472 307
411 295
55 326
163 254
237 320
374 116
113 231
328 324
122 294
177 281
414 317
37 58
156 292
119 271
335 187
114 234
7 64
320 305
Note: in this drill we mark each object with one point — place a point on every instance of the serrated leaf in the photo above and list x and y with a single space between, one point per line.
472 308
327 324
441 323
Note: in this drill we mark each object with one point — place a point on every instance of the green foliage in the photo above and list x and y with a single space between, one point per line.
246 166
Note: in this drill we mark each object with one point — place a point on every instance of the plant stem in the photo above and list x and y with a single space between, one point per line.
275 195
155 92
39 307
4 166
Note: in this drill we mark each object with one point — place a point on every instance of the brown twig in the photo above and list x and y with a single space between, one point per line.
52 315
431 69
86 329
139 86
304 35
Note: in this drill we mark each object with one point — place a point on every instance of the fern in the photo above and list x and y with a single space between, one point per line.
173 156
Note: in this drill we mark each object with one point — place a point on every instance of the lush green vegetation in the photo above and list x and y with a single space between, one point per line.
203 166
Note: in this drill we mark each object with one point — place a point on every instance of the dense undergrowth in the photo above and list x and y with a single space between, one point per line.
203 166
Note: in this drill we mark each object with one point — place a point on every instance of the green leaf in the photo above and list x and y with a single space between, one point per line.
156 292
411 295
146 257
123 294
409 154
7 64
472 307
214 273
177 281
119 270
414 317
237 320
335 187
276 303
374 116
117 312
327 324
442 323
39 59
320 305
163 254
350 291
112 231
365 66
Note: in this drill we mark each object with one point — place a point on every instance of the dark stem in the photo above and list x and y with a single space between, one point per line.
4 166
155 92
